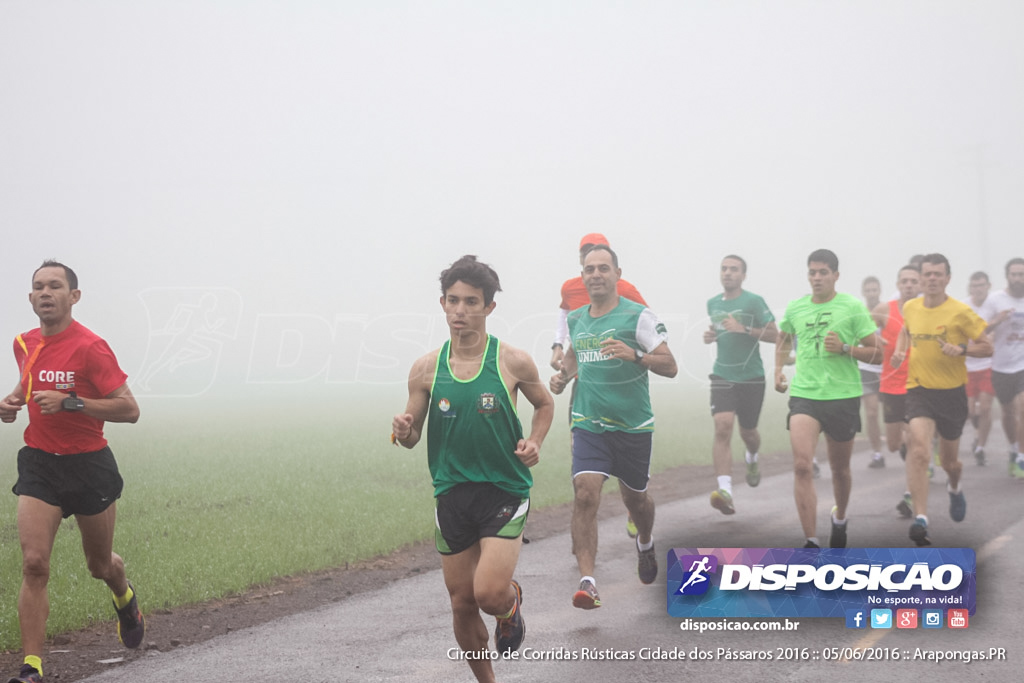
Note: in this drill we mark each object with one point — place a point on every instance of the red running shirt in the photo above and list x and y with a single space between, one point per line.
74 360
894 381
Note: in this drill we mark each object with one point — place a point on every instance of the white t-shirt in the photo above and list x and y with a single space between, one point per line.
1008 337
978 364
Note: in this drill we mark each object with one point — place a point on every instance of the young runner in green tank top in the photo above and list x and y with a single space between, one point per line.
478 457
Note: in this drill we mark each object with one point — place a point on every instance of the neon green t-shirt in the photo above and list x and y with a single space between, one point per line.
820 374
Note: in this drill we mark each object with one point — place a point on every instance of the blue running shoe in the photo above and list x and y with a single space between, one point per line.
957 506
919 532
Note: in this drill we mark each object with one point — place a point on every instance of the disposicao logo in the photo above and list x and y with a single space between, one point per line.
811 582
697 578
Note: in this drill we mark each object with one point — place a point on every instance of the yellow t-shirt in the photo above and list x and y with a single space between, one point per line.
951 321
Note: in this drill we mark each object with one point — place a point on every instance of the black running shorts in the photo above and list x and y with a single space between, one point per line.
80 484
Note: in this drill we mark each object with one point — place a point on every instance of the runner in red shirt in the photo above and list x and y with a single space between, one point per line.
71 384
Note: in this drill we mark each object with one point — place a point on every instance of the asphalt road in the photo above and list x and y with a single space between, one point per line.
402 632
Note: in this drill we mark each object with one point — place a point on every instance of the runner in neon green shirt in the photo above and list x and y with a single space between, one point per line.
833 331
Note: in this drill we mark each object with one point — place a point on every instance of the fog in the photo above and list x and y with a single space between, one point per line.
258 197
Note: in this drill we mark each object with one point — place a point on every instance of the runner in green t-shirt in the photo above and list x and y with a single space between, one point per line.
478 458
740 321
615 343
833 331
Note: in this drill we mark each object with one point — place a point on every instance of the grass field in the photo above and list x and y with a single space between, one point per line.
216 502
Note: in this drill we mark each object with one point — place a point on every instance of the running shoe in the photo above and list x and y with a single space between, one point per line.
919 532
586 597
630 527
722 501
131 625
811 544
1018 470
753 474
836 539
903 452
904 507
877 462
509 633
957 506
979 457
647 564
28 674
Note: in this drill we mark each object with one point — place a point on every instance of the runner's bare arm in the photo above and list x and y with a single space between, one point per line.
660 361
902 344
527 381
980 347
783 347
569 368
407 427
880 314
117 406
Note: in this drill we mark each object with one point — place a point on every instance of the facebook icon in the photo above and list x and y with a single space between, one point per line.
856 618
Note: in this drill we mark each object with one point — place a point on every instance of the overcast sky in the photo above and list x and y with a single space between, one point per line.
237 182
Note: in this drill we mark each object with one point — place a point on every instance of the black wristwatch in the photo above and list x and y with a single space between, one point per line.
72 403
638 355
556 345
847 350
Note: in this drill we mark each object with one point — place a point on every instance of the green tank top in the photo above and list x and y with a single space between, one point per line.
473 428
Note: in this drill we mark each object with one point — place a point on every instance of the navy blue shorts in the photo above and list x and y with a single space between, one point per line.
81 484
614 454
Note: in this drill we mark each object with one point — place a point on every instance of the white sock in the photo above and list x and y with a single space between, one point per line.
644 546
951 489
840 522
588 578
877 456
750 457
725 482
923 518
814 540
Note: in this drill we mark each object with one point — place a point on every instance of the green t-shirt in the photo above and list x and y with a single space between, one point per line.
613 394
473 428
739 354
821 375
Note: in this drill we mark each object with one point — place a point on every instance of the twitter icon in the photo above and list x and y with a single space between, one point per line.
881 618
